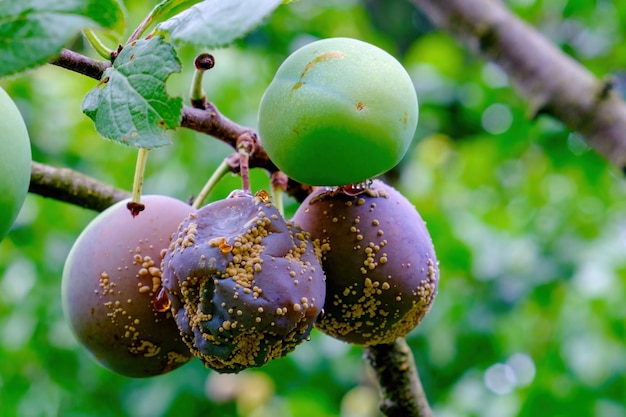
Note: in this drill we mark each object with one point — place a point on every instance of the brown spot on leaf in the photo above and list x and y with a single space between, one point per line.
102 82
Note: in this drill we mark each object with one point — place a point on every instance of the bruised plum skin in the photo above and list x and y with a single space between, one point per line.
245 286
110 281
379 261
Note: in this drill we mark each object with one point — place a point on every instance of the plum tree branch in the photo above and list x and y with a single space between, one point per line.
207 120
402 391
549 80
81 64
70 186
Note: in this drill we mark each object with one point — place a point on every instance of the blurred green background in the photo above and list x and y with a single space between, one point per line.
529 225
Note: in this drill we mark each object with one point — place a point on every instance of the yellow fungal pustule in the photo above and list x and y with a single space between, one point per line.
239 308
380 263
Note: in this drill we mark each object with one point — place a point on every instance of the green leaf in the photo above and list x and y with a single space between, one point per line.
214 23
34 31
130 105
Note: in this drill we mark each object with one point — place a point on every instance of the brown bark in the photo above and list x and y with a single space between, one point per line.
401 389
70 186
549 80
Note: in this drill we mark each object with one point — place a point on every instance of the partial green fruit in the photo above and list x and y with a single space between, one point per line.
15 161
338 111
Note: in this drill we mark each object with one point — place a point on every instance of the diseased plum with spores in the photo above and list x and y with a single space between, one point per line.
111 285
379 260
245 286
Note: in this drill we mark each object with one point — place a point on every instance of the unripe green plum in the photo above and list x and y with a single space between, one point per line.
111 289
338 111
15 162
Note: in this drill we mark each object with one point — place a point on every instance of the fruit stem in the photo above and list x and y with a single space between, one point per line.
246 144
143 26
277 200
97 44
244 170
279 187
157 13
222 169
203 62
135 205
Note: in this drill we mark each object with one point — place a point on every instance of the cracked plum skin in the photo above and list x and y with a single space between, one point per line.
379 260
111 279
339 104
245 286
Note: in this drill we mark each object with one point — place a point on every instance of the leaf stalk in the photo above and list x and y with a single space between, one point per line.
135 206
218 174
97 44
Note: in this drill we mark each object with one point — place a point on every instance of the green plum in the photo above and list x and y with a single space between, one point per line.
338 111
15 162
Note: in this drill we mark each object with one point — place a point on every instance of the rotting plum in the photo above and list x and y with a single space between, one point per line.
245 286
111 286
15 162
342 105
379 260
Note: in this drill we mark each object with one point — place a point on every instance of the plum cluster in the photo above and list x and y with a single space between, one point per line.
234 283
237 285
339 112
